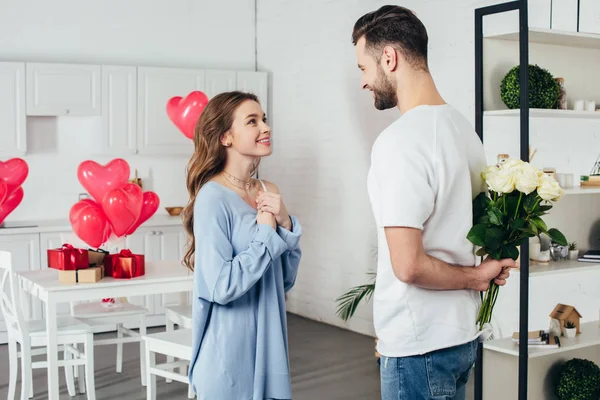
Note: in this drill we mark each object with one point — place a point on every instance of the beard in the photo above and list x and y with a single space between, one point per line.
384 91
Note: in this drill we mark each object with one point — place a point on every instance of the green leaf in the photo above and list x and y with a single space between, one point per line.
480 205
495 216
529 203
477 235
544 208
517 224
496 254
493 238
539 224
510 251
557 237
349 301
481 252
483 220
512 202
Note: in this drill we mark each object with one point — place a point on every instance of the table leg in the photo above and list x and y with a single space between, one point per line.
51 330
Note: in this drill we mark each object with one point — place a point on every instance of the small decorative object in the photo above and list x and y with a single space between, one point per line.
125 265
573 252
554 327
534 249
509 211
561 104
579 105
544 91
578 379
559 252
136 180
502 158
570 330
174 211
88 275
590 106
565 313
67 258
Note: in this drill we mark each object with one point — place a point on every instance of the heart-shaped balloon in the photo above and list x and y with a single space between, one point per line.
123 207
3 191
150 204
89 223
10 203
185 112
98 179
13 173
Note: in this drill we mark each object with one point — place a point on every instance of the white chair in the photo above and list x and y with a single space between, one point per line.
95 314
180 315
30 334
174 344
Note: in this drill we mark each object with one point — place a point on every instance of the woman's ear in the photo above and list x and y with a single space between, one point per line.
226 139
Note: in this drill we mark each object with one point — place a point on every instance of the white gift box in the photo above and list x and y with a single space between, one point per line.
589 16
564 15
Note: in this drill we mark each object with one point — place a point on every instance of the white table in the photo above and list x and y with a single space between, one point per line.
161 277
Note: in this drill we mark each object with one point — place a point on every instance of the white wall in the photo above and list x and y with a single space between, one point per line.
180 33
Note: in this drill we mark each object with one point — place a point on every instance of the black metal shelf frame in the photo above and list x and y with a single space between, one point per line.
521 7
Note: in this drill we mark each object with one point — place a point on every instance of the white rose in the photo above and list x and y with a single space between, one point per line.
501 180
527 178
512 164
550 189
491 170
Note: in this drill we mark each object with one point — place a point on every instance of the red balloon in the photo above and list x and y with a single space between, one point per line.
123 207
10 203
185 112
98 180
89 222
149 207
3 191
13 173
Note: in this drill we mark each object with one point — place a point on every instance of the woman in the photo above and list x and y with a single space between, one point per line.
244 253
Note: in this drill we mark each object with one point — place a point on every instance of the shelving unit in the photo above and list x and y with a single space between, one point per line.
560 267
544 113
551 36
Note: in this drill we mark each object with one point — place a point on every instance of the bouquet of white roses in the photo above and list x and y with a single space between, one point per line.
509 212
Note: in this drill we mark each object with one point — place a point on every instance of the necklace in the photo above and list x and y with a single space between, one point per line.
232 179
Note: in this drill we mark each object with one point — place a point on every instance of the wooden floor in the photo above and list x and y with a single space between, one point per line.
327 363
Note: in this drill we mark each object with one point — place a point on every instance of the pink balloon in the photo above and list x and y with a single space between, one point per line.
3 191
98 180
10 203
89 223
123 207
13 173
150 204
185 112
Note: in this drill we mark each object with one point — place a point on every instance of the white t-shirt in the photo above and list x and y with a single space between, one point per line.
425 171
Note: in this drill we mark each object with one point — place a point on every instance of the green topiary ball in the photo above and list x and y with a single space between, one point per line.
579 380
544 91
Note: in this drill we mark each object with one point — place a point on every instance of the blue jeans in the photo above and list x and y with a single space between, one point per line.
441 374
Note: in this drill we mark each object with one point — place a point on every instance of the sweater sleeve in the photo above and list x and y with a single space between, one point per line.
220 276
291 258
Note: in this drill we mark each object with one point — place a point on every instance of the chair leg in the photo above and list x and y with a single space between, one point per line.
119 349
81 373
69 372
170 326
150 378
142 349
191 393
26 372
88 348
13 365
76 369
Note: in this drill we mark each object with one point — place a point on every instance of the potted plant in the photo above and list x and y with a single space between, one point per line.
578 379
570 330
573 252
349 301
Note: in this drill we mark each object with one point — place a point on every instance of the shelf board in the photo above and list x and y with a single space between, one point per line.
559 267
545 113
555 37
589 336
583 190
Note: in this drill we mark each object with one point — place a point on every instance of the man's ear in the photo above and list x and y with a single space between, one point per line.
389 59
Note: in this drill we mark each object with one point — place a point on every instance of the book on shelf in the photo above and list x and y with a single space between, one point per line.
539 339
591 255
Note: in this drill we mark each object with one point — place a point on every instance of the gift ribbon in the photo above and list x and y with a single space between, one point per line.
73 253
128 270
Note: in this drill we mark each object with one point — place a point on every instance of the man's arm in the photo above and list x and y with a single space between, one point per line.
411 265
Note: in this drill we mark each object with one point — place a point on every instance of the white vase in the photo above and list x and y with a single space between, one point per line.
570 332
573 254
534 251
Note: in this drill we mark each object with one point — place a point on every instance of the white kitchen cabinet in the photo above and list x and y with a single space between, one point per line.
157 135
218 82
119 110
25 253
13 134
55 89
256 83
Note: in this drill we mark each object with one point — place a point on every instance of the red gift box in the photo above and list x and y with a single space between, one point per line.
68 258
124 265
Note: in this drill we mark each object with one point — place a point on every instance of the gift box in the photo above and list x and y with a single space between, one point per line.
68 258
96 257
124 265
87 275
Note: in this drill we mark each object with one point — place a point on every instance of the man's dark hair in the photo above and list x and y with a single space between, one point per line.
393 26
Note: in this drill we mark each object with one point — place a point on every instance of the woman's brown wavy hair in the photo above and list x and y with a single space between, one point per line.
209 155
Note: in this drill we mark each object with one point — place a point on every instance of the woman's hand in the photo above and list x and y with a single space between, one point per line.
266 218
272 203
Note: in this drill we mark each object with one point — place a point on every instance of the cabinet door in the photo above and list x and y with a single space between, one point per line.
157 135
13 137
219 82
63 89
256 83
25 252
141 243
170 242
119 100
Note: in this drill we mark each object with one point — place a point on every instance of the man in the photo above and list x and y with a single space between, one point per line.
425 172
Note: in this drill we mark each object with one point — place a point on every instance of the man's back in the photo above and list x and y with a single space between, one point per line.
425 172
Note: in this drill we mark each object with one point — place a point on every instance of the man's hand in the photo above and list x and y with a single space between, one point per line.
490 269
